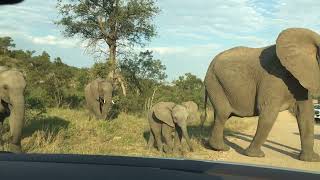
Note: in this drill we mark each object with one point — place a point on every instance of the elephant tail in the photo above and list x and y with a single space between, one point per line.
204 115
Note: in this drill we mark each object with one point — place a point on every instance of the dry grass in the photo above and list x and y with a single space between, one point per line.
70 131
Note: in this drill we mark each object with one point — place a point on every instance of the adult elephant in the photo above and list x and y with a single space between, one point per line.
192 108
98 95
262 82
166 118
12 87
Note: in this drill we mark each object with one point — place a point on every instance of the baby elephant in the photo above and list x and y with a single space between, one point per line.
166 118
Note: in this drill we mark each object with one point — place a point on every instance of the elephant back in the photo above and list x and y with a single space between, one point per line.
163 112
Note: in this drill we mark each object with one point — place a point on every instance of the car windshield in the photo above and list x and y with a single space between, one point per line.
167 78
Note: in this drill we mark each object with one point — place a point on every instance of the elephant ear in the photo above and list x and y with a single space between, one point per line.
164 114
94 86
297 50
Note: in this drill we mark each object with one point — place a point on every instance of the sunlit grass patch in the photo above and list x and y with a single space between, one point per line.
70 131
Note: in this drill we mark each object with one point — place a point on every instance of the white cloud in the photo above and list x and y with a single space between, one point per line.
53 40
32 20
196 50
188 30
298 13
28 13
190 18
45 40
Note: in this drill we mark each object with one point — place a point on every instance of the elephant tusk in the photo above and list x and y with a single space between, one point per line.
104 101
112 102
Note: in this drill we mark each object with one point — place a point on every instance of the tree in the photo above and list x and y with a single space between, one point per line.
20 54
189 87
109 22
142 70
143 74
5 44
99 69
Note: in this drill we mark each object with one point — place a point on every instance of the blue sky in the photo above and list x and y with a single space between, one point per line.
190 33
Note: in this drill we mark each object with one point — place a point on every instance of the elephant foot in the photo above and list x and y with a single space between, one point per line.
160 149
311 157
254 152
167 149
15 148
148 147
219 146
191 149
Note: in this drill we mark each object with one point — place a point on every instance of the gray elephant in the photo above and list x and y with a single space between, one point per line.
262 82
166 119
12 87
192 108
98 95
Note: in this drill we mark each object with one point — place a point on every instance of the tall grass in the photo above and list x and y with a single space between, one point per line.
70 131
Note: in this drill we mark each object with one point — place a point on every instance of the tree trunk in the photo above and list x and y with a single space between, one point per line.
112 56
113 74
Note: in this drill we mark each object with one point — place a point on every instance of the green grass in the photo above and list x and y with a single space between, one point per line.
70 131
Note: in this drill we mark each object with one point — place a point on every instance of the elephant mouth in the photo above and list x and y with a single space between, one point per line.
102 100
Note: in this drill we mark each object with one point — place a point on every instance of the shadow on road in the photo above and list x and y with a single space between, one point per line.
245 137
316 136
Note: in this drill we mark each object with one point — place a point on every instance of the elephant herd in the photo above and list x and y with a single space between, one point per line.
240 81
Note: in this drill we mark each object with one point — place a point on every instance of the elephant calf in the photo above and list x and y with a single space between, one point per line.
12 87
166 118
98 95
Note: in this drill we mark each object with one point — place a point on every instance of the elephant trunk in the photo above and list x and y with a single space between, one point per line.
186 136
16 121
105 107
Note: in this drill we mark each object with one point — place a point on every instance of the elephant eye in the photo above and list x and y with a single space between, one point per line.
5 87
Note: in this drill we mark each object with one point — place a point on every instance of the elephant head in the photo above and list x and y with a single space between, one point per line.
102 91
12 87
298 51
192 108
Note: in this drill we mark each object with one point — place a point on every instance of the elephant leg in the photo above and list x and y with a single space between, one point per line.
266 120
1 134
216 140
155 127
158 138
222 111
96 110
305 121
186 137
90 114
167 134
177 139
151 140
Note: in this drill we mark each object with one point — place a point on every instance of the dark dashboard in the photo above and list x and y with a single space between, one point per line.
81 167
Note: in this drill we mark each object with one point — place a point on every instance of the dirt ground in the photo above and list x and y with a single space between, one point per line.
281 149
